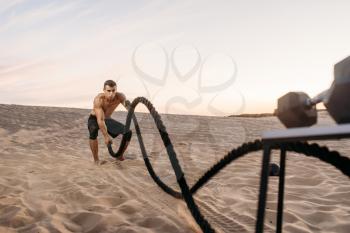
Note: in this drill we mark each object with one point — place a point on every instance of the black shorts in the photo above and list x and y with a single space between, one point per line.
114 128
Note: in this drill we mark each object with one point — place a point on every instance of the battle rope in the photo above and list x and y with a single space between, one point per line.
115 154
314 150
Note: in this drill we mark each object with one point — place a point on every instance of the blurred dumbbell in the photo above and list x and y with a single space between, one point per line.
297 109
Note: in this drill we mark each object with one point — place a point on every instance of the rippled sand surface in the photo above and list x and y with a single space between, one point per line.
48 182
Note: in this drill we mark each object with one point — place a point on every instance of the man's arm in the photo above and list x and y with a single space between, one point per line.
123 101
100 117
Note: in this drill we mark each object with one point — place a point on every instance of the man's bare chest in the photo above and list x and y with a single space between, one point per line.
107 107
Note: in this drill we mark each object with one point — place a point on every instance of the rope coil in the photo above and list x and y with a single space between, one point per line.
340 162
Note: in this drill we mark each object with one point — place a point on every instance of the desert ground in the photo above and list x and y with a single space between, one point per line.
49 183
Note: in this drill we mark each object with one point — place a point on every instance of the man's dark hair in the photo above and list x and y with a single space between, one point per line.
110 83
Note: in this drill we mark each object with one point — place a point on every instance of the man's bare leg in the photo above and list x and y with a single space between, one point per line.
94 149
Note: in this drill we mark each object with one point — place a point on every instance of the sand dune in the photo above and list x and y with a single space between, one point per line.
48 182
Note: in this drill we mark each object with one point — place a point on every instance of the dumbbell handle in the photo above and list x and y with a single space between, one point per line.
317 99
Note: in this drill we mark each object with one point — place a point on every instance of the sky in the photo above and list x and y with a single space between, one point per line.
188 57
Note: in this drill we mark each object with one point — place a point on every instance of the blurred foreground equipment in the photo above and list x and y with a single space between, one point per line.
297 109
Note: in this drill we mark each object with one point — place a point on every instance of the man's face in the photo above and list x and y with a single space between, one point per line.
110 92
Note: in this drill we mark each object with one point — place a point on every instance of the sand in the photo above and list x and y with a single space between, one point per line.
48 182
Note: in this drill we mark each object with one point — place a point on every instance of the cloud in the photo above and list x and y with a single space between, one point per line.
6 5
18 67
47 44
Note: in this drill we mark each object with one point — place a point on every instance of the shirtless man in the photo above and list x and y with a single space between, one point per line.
104 105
